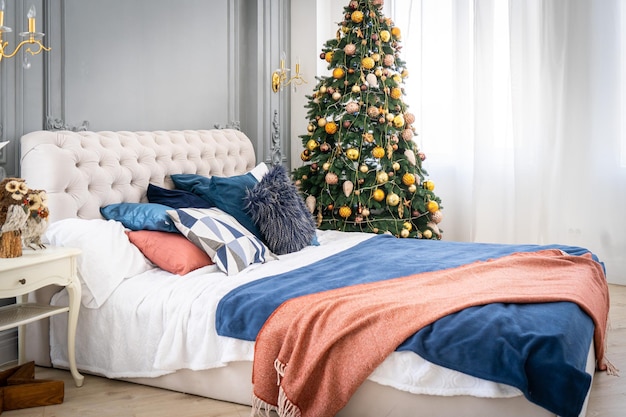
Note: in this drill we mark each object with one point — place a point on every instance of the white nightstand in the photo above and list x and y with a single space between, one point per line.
33 270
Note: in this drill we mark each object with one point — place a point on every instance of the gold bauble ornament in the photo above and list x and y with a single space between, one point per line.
345 211
357 16
326 166
310 128
368 62
338 73
376 57
364 169
378 152
432 206
429 185
305 155
330 127
395 166
408 226
365 211
382 177
393 199
329 56
321 122
312 145
396 32
396 93
378 194
404 233
408 179
385 35
336 96
412 188
427 234
398 121
353 154
356 89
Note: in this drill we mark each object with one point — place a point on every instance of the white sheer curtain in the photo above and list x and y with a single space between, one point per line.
521 108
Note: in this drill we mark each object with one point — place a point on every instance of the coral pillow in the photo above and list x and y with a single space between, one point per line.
171 252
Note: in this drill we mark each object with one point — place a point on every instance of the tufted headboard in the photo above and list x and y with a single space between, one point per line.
83 171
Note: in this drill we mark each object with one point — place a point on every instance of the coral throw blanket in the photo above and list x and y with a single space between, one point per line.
321 347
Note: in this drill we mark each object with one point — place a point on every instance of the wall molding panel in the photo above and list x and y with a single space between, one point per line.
147 65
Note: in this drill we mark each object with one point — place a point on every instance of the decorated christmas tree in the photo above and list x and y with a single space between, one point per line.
362 168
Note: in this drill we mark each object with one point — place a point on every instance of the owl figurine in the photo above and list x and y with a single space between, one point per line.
13 214
37 220
13 205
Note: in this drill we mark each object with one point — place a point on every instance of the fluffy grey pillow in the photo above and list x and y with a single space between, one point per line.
279 212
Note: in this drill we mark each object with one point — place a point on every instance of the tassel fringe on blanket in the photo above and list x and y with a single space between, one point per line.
285 407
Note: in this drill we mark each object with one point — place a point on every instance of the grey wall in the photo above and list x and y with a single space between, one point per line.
146 65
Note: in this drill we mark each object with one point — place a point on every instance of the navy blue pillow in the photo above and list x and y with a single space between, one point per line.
175 198
226 193
140 216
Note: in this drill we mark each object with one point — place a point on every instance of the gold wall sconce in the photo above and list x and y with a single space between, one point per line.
32 37
280 78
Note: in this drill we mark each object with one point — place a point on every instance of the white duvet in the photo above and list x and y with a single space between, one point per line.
156 323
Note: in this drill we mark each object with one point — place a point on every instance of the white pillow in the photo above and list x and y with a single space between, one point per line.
107 257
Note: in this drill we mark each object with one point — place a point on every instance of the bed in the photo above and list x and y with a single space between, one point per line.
194 330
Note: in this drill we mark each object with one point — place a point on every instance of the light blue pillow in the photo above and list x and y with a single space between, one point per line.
140 216
231 246
225 193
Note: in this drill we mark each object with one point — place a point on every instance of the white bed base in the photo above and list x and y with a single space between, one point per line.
83 171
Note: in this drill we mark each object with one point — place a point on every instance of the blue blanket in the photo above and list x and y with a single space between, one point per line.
539 348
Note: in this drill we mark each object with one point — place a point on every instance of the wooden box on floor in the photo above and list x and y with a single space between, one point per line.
19 389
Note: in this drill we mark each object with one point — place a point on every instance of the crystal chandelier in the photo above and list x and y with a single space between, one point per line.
31 38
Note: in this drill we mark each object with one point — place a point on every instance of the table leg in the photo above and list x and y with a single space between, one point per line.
74 292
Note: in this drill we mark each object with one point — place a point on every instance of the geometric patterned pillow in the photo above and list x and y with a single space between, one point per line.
230 245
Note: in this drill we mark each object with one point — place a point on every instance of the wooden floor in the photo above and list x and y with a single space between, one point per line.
100 397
